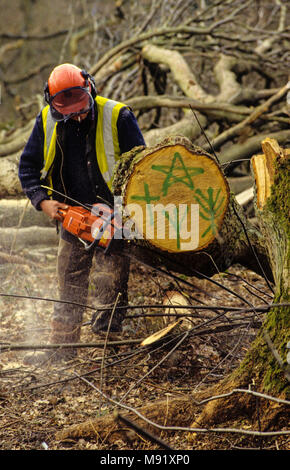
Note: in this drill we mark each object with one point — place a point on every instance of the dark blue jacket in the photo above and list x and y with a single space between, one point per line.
75 171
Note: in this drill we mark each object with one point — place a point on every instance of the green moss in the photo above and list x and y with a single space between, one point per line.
279 201
259 363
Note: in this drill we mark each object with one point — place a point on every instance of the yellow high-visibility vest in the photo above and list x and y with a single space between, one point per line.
107 142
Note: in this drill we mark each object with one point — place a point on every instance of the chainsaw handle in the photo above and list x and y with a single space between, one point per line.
62 212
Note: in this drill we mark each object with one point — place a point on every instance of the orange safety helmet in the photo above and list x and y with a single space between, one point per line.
69 92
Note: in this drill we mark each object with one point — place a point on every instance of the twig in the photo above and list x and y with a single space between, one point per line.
86 374
32 297
145 37
194 272
105 345
202 307
141 431
256 113
241 390
37 37
23 347
249 284
236 346
261 308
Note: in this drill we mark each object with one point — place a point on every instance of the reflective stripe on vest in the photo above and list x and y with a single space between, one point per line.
49 128
107 142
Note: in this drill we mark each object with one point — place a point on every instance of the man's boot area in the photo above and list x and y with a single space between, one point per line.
61 333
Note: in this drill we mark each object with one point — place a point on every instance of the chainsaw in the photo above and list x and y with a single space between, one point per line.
95 228
101 227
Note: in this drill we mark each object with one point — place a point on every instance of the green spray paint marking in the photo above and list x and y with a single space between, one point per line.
176 223
178 172
147 198
172 177
210 208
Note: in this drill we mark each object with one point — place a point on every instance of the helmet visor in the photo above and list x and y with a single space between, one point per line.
70 102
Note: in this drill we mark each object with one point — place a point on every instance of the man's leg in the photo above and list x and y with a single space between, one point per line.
109 278
73 270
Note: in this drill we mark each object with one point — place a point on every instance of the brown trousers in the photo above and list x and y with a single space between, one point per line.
105 275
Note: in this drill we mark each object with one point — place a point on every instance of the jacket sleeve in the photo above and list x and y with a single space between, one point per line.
129 133
30 165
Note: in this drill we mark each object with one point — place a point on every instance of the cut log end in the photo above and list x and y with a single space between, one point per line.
264 169
177 197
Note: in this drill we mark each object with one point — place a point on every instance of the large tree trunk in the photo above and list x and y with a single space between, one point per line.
183 211
265 365
271 170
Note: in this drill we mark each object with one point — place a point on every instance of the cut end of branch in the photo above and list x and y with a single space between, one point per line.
264 168
177 196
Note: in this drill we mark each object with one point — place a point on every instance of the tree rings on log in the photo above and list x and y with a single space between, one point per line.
176 195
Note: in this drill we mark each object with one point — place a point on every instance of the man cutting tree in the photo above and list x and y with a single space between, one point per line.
76 140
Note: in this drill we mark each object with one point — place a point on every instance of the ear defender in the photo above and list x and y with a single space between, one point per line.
46 93
90 81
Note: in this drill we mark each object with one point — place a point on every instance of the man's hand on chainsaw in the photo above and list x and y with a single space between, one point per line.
50 208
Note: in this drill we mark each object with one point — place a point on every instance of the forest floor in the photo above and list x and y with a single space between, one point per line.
36 403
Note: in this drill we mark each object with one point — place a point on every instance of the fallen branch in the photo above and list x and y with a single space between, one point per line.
245 197
20 79
4 347
17 143
8 47
214 110
27 237
235 130
182 73
251 146
145 37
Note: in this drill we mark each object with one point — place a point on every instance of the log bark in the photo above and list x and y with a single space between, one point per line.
17 140
186 127
16 239
9 181
271 171
20 212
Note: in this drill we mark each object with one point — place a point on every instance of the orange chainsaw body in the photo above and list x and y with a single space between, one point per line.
87 225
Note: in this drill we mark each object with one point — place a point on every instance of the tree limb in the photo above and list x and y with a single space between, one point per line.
235 130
